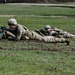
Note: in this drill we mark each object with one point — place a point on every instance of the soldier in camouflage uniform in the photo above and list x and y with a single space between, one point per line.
21 32
49 31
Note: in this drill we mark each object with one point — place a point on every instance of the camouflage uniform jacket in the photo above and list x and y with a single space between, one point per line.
19 31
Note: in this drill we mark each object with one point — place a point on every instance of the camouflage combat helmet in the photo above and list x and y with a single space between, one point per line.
12 21
47 27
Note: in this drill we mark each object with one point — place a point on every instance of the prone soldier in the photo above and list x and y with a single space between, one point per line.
22 32
56 32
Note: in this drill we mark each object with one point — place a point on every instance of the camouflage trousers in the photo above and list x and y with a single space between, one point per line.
68 35
65 33
36 36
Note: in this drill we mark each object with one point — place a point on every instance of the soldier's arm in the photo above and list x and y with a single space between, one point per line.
10 34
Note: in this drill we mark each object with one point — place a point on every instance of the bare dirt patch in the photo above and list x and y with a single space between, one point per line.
34 45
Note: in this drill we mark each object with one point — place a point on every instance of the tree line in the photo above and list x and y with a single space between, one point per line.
39 1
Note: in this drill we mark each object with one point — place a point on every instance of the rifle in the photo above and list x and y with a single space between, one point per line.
3 29
38 31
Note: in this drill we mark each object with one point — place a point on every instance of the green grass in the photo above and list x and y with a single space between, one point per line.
35 10
36 63
36 58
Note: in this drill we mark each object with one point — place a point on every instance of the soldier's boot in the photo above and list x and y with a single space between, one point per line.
67 42
56 40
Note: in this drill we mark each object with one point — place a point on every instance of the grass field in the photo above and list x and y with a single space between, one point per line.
36 58
35 10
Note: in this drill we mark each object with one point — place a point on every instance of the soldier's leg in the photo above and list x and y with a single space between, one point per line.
49 39
68 35
35 36
55 40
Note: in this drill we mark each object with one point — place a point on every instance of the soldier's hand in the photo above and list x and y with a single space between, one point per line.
25 38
